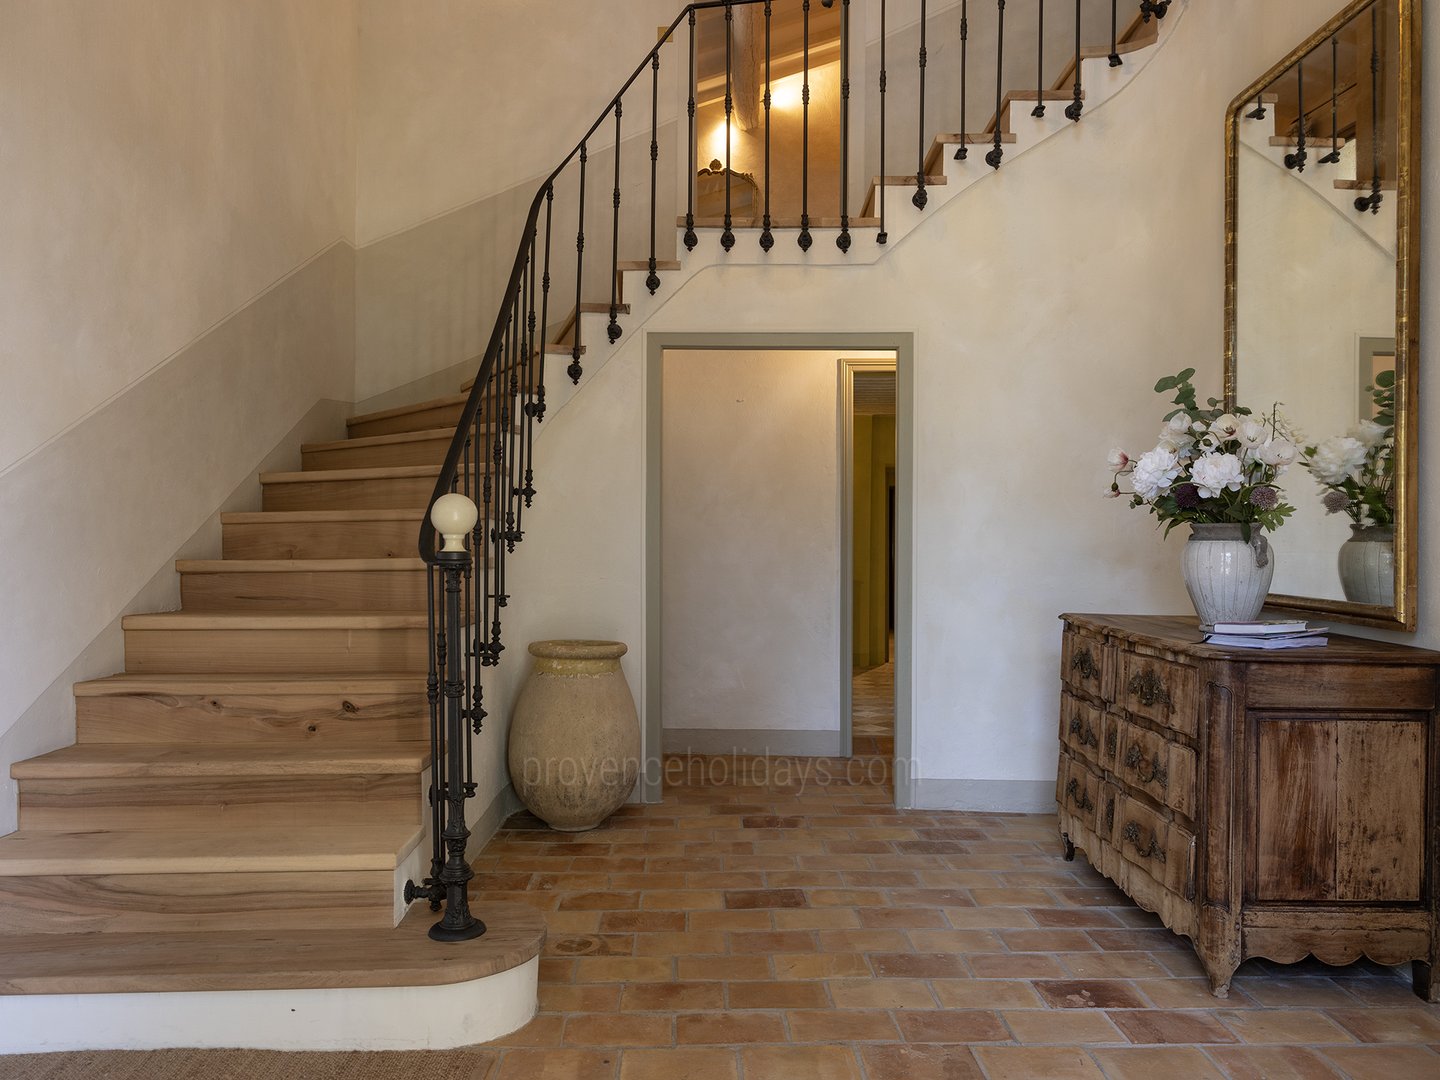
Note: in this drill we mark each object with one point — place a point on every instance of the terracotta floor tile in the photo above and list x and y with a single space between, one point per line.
903 918
556 969
629 922
1412 1025
841 1025
772 941
986 994
1151 1062
575 922
1047 941
670 996
1021 898
1296 992
799 1063
726 880
1299 1026
817 919
732 920
1034 1063
544 1030
1014 966
1271 1063
988 918
604 969
882 994
609 1029
954 941
557 1065
1089 994
729 1028
566 998
919 1062
765 898
846 898
951 1026
707 968
679 1064
688 943
777 995
1394 992
1188 994
1162 1026
820 965
864 941
1385 1062
1069 1027
682 899
1073 917
599 901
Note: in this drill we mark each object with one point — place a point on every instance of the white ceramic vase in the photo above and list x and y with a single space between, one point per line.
1227 577
574 751
1367 565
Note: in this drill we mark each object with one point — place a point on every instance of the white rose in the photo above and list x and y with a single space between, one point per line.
1336 459
1155 472
1277 453
1251 433
1213 473
1368 433
1225 426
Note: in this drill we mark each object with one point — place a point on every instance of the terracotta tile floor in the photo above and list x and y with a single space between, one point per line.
779 920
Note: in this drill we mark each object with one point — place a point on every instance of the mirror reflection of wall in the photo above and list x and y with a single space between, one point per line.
1316 230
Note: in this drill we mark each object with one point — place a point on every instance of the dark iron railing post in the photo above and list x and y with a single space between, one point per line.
804 239
1077 104
544 304
727 237
1257 113
613 329
1297 160
1115 60
767 238
882 236
1157 8
652 279
920 198
576 347
997 152
1039 110
963 151
690 238
1372 201
843 240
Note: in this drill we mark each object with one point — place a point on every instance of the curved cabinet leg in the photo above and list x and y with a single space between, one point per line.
1069 847
1219 973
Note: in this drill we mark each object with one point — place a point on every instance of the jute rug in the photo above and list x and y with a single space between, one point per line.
249 1065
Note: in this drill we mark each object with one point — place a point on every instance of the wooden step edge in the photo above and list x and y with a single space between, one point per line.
299 566
300 517
448 401
37 853
555 348
226 684
366 441
326 476
87 761
199 621
1130 42
941 144
1025 97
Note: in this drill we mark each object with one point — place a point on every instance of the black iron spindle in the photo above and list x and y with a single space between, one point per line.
544 306
652 279
997 152
1115 60
1333 157
612 330
512 431
690 238
1297 160
727 237
843 240
804 239
1077 104
1372 201
1039 109
1157 8
963 151
1257 113
532 360
920 198
767 238
574 370
882 236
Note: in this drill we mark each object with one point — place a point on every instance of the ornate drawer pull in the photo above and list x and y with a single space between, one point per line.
1150 690
1131 832
1086 733
1084 662
1109 815
1159 774
1078 797
1110 742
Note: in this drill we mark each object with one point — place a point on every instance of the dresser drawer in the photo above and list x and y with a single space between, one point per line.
1080 791
1086 664
1163 849
1160 690
1163 769
1080 727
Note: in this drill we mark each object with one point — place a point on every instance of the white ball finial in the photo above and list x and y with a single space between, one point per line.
453 516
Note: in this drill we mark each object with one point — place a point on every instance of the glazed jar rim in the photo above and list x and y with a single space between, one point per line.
578 649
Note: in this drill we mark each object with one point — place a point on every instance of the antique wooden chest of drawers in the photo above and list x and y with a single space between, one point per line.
1262 803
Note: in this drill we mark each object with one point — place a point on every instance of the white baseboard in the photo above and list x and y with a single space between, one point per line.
992 796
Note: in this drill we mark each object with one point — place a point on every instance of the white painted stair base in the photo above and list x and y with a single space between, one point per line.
351 1018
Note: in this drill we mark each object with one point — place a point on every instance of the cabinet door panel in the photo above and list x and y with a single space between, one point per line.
1380 777
1295 811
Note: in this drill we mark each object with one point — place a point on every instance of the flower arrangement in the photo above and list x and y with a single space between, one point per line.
1357 469
1210 466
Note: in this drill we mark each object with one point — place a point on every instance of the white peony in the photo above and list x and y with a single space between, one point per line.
1337 458
1175 435
1278 453
1368 433
1155 472
1213 473
1251 433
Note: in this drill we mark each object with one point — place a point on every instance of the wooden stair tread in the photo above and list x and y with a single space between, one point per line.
1026 96
450 400
89 760
268 959
1140 34
212 849
222 620
229 683
306 566
398 438
320 476
776 222
296 517
554 348
941 142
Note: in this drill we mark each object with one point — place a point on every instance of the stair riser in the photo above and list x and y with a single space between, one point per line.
167 803
57 903
304 591
321 651
387 494
234 718
445 416
323 540
420 452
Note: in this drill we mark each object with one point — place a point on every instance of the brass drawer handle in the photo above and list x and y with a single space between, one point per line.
1110 739
1131 832
1084 662
1086 734
1150 690
1135 757
1078 797
1109 815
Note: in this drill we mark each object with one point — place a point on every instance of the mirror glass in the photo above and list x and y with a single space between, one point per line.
1318 302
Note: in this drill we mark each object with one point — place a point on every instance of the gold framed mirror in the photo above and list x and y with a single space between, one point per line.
1322 269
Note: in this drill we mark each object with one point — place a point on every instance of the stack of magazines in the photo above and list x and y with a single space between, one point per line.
1271 634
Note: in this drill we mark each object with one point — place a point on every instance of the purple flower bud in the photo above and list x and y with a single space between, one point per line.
1265 498
1335 502
1187 496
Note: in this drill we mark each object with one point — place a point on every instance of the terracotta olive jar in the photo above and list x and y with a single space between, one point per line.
575 737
